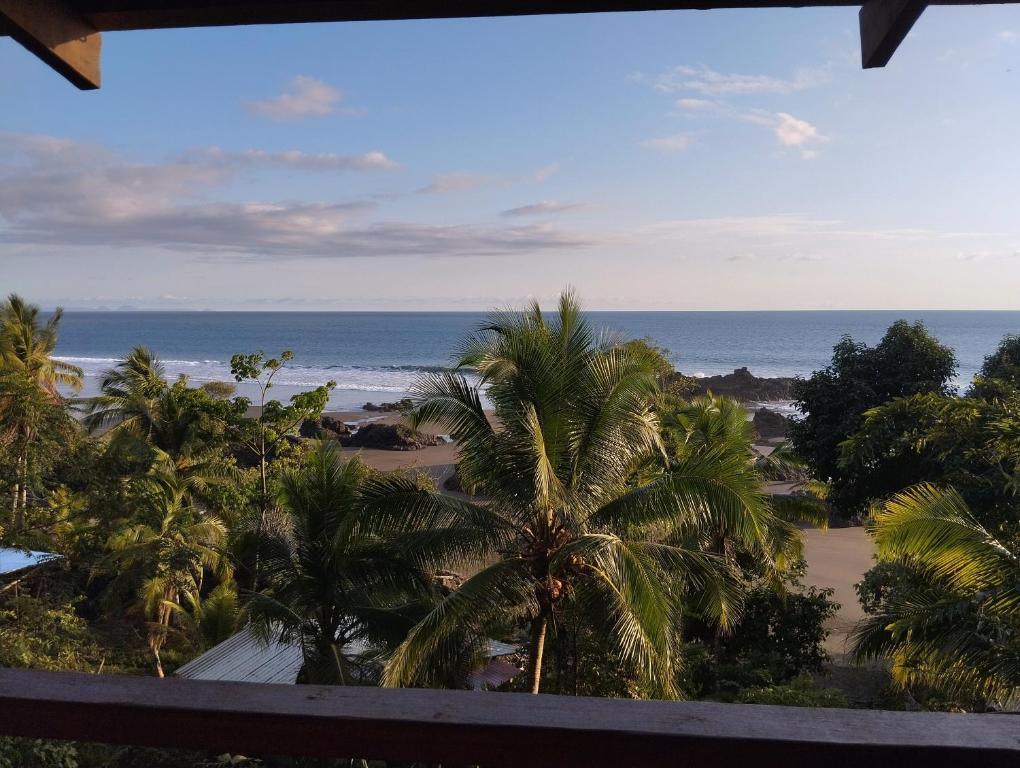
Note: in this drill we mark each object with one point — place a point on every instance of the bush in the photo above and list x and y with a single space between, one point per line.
802 691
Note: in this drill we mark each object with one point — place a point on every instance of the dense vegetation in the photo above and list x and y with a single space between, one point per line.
613 529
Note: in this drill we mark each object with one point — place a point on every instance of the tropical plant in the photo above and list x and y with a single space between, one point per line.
907 361
971 444
330 583
128 395
32 379
168 549
562 524
954 624
1000 373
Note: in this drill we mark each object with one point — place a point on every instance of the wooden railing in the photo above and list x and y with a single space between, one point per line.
489 729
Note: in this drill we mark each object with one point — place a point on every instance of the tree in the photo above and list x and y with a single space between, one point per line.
128 395
33 379
330 583
274 421
1000 373
969 443
561 526
954 625
907 361
168 550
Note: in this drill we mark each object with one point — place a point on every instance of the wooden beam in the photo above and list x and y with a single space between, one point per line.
884 25
494 730
58 35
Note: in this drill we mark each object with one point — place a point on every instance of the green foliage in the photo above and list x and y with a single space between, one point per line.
37 753
44 634
802 691
969 443
907 361
953 626
563 528
1000 374
780 636
331 582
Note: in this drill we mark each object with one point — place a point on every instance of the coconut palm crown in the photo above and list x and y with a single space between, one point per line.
955 626
559 520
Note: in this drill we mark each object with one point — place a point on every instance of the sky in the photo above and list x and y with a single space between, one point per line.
670 160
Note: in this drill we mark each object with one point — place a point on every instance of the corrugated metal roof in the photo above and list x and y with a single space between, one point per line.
493 675
12 560
245 658
496 648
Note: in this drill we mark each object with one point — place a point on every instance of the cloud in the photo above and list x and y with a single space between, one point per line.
709 82
695 103
793 132
1007 36
456 181
543 208
323 161
676 143
304 97
546 172
60 193
789 131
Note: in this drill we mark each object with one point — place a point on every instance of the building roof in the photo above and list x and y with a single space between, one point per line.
67 35
14 560
245 658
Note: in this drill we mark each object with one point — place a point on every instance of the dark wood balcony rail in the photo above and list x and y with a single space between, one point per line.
489 729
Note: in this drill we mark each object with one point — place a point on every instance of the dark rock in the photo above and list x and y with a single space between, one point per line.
769 424
745 386
326 428
400 405
390 437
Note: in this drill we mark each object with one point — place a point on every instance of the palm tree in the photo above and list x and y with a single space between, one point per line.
562 523
129 395
28 365
170 551
143 411
765 535
329 583
955 625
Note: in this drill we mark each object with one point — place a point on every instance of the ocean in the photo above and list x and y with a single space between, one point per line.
375 356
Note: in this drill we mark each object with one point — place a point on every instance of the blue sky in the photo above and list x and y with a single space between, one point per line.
672 160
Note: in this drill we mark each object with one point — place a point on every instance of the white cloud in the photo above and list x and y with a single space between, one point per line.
546 172
793 132
669 144
57 192
1007 36
790 131
695 103
321 161
709 82
455 181
543 208
305 97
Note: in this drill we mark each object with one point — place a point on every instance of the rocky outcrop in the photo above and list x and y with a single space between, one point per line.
770 425
399 406
326 428
745 386
389 437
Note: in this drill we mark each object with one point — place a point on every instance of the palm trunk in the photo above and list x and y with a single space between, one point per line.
16 493
538 630
20 494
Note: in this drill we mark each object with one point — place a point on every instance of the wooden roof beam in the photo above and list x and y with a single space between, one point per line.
884 25
58 35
